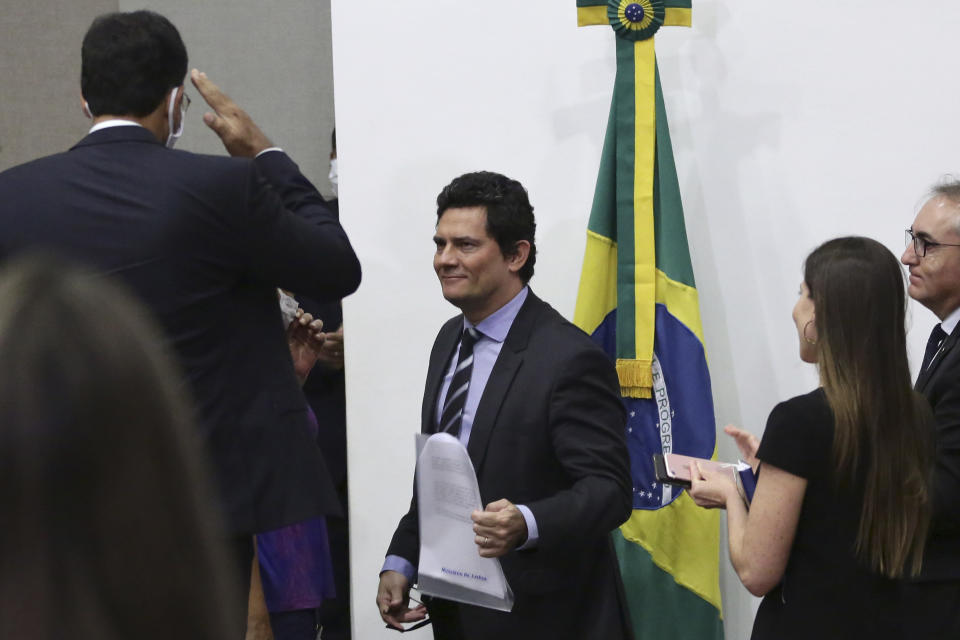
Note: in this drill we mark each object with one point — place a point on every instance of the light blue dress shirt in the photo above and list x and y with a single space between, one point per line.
493 331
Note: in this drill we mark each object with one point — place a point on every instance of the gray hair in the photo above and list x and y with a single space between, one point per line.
949 188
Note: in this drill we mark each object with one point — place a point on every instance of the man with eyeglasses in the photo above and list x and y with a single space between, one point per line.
933 258
204 241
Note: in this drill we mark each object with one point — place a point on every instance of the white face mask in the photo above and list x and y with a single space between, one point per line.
86 110
333 176
173 136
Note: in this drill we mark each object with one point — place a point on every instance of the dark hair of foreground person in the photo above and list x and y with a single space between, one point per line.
107 526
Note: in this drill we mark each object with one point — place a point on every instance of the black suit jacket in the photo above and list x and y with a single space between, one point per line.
940 383
204 241
548 434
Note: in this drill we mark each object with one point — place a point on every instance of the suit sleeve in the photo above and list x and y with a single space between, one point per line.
586 422
290 237
406 539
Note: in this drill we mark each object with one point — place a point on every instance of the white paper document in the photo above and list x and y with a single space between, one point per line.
447 493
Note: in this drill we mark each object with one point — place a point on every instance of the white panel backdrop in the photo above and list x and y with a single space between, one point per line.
791 124
273 58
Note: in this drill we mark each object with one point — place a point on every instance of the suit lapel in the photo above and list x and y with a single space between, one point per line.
945 352
443 349
501 379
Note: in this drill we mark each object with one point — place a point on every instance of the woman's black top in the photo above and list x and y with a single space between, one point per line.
826 592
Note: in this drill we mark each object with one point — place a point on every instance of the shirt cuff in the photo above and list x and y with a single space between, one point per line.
268 150
400 565
533 535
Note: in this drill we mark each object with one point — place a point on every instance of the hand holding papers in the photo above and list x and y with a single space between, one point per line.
500 528
447 494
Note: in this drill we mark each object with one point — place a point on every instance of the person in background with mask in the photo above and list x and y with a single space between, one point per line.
334 175
325 391
200 240
292 591
293 572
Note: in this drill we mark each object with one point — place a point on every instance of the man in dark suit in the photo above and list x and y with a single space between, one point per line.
933 258
537 405
204 241
325 391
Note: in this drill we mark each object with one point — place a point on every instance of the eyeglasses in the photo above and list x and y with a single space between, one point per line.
185 103
921 244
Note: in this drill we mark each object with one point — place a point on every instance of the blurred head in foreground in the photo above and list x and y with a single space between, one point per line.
108 529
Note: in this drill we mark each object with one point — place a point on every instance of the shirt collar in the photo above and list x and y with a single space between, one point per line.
950 322
116 122
497 324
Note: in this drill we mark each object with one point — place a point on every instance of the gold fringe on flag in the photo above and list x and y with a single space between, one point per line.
636 378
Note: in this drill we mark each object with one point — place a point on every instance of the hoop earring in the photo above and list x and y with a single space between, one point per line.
805 338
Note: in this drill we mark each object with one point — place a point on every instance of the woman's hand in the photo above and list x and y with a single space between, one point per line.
747 443
305 339
331 354
711 489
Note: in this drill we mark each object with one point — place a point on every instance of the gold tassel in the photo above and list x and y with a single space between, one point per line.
636 378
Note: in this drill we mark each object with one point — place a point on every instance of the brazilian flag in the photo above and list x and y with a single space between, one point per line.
638 299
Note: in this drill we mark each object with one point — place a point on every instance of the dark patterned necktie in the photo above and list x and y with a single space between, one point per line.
452 415
933 345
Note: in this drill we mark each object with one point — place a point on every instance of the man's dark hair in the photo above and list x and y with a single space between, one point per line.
129 61
509 212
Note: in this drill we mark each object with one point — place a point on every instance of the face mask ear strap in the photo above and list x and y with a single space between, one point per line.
173 136
86 110
170 111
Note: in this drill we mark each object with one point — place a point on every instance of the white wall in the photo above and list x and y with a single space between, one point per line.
40 76
790 125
